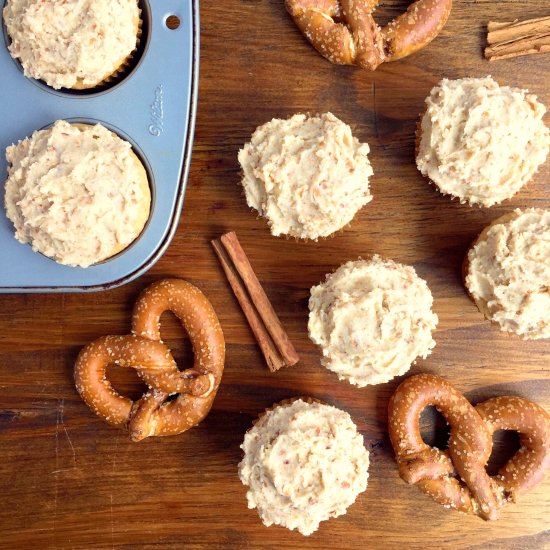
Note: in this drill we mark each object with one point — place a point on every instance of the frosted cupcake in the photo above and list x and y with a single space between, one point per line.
304 462
507 273
77 193
308 176
481 142
372 319
72 44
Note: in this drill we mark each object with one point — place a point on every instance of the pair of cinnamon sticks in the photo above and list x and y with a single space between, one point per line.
266 326
516 38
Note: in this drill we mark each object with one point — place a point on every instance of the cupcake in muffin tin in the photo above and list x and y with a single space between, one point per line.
77 193
73 44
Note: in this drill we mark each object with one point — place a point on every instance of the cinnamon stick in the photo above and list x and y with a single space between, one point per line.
507 30
264 322
516 38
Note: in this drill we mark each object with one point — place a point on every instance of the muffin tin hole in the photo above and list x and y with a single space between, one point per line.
144 161
173 22
136 58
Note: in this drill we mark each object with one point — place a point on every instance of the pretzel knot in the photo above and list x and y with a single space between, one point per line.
143 350
457 478
345 32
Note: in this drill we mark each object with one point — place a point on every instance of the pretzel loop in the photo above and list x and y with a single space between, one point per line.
344 31
153 362
457 478
527 467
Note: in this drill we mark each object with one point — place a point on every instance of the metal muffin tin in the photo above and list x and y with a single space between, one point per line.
153 107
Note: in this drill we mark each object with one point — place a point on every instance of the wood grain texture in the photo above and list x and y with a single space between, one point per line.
68 480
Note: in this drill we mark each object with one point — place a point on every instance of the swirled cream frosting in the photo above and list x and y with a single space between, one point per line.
76 193
73 43
481 142
303 463
307 175
509 273
372 319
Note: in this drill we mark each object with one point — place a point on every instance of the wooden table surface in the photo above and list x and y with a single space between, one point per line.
68 480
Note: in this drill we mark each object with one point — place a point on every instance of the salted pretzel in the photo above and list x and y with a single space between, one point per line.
143 350
345 32
457 478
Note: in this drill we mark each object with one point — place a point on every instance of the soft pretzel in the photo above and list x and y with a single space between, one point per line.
457 478
345 32
144 351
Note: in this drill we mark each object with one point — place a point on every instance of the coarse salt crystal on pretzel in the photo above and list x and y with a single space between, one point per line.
345 32
144 351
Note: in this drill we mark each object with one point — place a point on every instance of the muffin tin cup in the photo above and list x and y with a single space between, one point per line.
152 107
